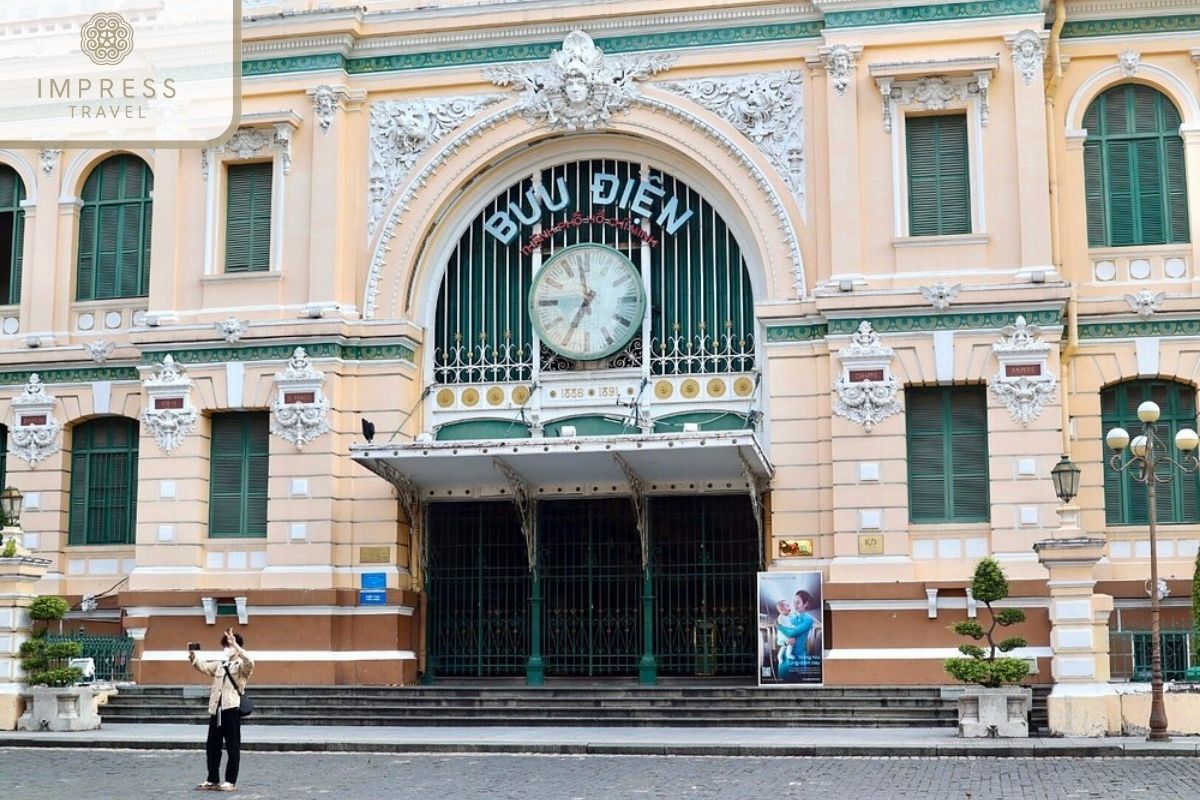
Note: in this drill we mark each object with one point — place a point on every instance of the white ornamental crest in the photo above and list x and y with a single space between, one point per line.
579 88
34 435
866 401
1022 382
169 414
300 412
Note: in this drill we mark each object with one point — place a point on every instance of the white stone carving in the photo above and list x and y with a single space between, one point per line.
768 108
255 143
402 131
941 295
49 158
579 87
866 402
169 414
1028 53
326 101
205 155
839 63
283 145
1024 395
99 351
299 421
1146 302
1130 61
35 433
935 93
232 329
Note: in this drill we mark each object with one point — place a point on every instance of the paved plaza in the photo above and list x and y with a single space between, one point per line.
53 774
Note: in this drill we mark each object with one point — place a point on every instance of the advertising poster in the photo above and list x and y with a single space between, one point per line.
790 630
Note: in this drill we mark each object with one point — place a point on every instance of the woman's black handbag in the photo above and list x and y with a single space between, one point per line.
246 707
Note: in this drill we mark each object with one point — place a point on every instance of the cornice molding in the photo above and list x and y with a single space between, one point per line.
933 12
1131 26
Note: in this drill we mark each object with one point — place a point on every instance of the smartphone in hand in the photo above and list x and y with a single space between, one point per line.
193 645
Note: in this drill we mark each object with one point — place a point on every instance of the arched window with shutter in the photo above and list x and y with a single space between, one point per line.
1134 169
1178 500
12 234
114 230
104 455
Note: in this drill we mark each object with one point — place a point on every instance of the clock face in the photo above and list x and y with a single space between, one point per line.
587 302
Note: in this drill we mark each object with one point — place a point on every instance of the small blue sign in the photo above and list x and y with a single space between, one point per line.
373 580
372 597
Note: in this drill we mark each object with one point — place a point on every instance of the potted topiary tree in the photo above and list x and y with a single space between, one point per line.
52 700
991 708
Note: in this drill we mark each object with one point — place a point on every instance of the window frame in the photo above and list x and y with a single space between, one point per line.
82 446
145 204
15 205
949 437
939 177
247 420
270 262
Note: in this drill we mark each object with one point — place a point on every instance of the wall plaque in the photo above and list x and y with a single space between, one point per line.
796 548
870 544
375 555
168 402
860 375
1022 370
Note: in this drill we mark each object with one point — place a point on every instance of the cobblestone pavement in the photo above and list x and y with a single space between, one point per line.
53 774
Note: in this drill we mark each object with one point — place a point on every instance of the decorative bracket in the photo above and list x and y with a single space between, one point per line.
300 411
637 491
1022 382
35 432
169 414
757 487
866 390
410 497
526 507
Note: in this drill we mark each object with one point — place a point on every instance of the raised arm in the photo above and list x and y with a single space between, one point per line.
799 630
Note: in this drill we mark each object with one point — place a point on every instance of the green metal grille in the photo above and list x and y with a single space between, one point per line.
112 654
12 235
114 230
591 578
103 503
1129 654
705 570
1125 500
478 590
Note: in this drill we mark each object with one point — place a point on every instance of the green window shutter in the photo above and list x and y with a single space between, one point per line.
1125 500
12 234
248 218
238 485
114 231
947 454
939 184
103 495
1134 169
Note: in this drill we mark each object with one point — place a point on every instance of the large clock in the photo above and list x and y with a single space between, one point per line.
587 302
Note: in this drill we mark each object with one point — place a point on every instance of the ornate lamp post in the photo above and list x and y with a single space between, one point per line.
1065 476
11 503
1149 455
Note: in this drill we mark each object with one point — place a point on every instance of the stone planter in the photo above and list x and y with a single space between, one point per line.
66 708
1002 712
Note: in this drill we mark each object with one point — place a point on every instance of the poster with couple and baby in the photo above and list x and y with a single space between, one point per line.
790 629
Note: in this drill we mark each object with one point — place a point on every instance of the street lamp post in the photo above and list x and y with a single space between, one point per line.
1149 455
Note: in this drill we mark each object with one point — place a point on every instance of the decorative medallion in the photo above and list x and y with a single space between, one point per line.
520 395
169 414
1130 61
767 108
495 396
866 390
99 351
743 386
1023 382
689 389
49 158
1028 52
716 387
300 412
470 397
232 329
256 142
579 87
35 433
1146 302
445 398
839 63
663 389
941 295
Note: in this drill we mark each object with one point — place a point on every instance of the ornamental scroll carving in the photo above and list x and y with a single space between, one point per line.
767 108
578 87
1022 382
1028 52
300 412
35 434
402 131
866 390
169 415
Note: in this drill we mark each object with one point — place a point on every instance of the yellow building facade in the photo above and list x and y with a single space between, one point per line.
861 273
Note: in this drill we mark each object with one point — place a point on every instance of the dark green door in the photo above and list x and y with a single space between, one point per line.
591 579
705 574
478 590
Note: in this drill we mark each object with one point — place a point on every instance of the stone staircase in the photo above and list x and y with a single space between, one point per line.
565 704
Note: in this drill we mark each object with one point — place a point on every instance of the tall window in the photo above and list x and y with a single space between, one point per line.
947 454
248 218
3 456
114 230
12 235
237 501
1134 170
104 457
939 175
1124 499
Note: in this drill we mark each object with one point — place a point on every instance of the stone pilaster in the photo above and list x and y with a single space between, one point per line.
18 577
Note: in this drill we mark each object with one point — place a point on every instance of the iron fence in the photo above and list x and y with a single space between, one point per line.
112 654
1129 654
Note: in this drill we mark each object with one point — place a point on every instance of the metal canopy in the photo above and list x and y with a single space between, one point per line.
664 463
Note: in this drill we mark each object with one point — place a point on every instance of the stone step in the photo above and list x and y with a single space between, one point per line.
645 721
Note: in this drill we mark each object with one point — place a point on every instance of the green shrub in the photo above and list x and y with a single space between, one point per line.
48 607
44 662
61 676
10 549
981 666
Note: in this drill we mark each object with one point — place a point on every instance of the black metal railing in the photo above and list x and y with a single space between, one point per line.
1129 654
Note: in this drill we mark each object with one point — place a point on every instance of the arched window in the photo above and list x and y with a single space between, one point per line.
1125 499
104 455
114 230
12 234
1134 170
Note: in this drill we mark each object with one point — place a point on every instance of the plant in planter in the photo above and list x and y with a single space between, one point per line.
1193 673
993 709
54 702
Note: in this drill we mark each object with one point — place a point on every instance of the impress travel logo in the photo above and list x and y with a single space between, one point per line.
150 73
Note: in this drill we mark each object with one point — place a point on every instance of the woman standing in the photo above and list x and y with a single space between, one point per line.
224 719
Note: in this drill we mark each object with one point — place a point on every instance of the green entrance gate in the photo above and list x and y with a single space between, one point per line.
478 590
591 579
704 560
